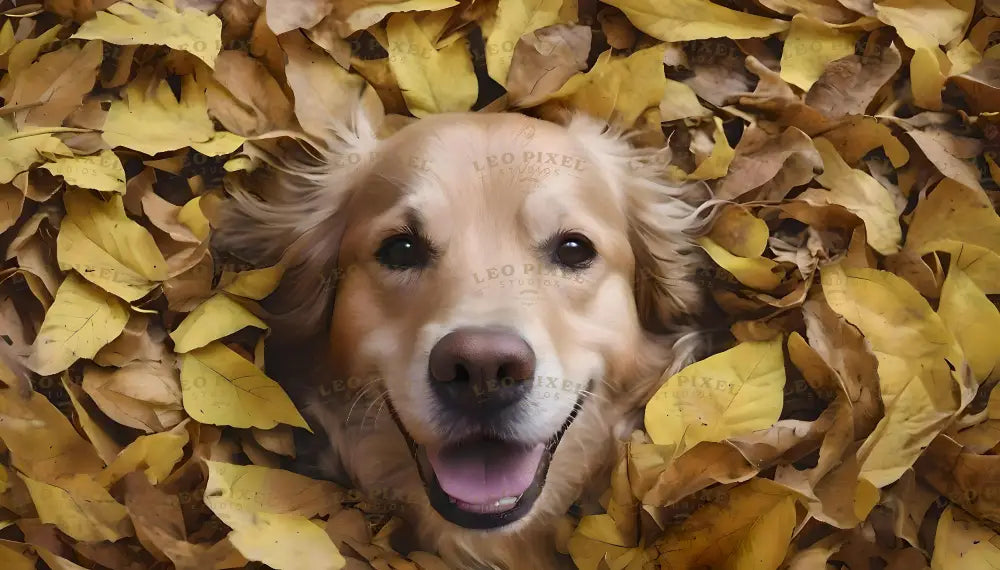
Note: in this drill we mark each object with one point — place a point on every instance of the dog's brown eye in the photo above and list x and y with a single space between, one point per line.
575 251
403 251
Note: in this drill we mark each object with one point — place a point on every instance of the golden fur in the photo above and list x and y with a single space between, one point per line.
351 338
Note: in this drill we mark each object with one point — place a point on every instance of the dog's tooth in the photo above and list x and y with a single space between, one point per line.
506 502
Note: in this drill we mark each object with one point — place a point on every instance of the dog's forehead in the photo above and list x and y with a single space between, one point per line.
501 165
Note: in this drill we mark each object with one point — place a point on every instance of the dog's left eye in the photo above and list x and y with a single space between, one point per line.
403 251
574 251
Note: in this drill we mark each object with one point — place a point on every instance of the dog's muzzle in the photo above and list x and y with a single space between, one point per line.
490 479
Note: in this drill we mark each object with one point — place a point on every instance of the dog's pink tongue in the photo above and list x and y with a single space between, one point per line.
484 472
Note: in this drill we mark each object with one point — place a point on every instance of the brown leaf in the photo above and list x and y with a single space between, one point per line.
544 60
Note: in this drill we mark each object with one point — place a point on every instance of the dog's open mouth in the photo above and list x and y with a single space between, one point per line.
485 483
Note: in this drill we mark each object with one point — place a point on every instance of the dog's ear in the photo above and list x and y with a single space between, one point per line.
290 212
664 220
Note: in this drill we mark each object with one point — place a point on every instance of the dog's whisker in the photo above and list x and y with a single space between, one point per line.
373 402
358 398
590 394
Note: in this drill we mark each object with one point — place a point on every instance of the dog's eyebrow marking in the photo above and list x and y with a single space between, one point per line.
414 220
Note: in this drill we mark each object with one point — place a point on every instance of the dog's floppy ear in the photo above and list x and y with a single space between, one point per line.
290 211
664 220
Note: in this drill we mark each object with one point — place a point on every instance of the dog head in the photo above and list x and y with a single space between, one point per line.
506 288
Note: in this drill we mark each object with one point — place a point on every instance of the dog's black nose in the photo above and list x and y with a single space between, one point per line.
481 369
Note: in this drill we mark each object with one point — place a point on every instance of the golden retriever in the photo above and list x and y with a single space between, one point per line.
475 308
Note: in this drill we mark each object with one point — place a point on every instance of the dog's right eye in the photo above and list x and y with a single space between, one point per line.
403 251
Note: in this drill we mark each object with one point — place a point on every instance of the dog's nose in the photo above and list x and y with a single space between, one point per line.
481 369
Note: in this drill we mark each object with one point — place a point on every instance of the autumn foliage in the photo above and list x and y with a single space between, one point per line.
848 423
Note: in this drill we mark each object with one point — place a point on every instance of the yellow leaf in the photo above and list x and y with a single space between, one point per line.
597 539
215 318
618 88
152 120
155 455
80 507
7 36
926 78
684 20
254 284
80 321
859 193
20 150
11 559
915 353
222 142
757 272
963 57
680 102
725 395
962 222
192 216
25 51
235 493
514 18
222 388
716 165
102 171
106 247
42 442
287 542
962 542
432 80
148 22
367 16
973 319
740 232
810 46
749 530
925 23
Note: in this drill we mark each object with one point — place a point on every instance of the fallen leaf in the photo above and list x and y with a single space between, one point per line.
543 60
515 18
421 68
141 395
750 530
971 316
731 393
215 318
757 272
962 222
151 120
99 241
41 441
960 540
859 193
222 388
148 22
916 358
80 507
81 321
287 15
810 46
617 88
59 81
687 20
103 171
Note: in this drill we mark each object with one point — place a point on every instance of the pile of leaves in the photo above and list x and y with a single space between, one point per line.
851 422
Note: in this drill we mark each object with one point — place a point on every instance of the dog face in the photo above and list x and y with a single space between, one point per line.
496 277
